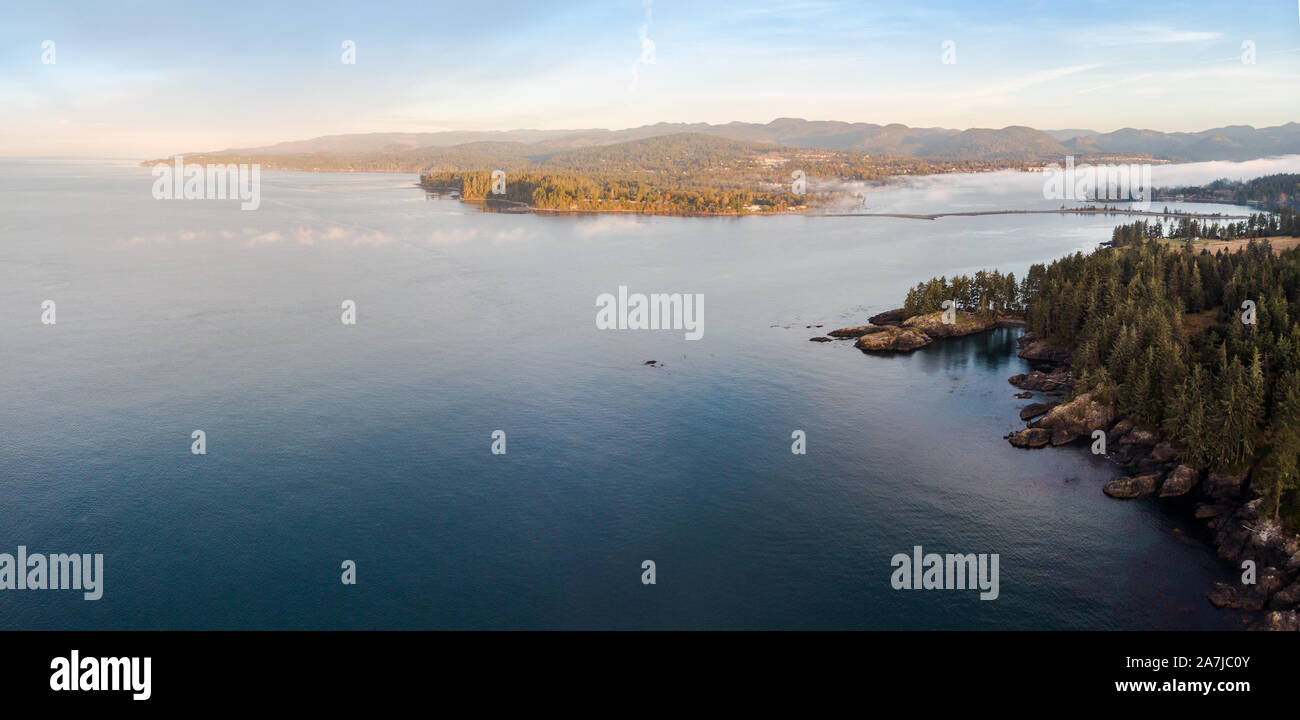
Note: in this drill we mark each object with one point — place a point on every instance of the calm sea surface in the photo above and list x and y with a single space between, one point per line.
371 443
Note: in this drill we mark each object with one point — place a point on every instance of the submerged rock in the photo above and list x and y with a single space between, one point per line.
821 339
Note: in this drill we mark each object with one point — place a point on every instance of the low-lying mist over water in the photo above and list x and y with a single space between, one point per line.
1017 190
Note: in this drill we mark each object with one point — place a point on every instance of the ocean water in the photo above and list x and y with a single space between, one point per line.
372 442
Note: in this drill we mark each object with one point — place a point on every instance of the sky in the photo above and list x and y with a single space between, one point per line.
147 79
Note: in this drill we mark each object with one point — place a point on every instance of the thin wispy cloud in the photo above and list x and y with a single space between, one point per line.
739 60
1004 91
647 56
1148 35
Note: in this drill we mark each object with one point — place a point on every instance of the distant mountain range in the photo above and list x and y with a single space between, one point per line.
1013 143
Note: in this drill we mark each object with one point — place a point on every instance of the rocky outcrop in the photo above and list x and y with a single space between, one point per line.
1163 452
1221 500
1179 482
1031 438
1223 485
1239 535
1037 351
1151 462
1056 381
821 339
1063 437
1277 620
1119 430
1287 597
1223 595
888 317
1131 487
1206 512
963 324
893 339
1138 436
889 332
855 332
1033 410
1079 416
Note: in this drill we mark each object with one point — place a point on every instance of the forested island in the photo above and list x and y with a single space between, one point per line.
1184 361
1271 192
677 174
731 168
686 174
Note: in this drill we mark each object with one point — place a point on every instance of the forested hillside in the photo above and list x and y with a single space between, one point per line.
1204 347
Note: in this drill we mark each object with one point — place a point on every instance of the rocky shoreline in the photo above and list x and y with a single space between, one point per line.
1225 502
888 332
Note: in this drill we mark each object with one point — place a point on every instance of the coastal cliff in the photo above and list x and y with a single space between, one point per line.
1226 503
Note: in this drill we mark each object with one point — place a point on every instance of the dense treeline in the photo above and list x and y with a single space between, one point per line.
1259 225
1205 347
592 193
1271 191
987 291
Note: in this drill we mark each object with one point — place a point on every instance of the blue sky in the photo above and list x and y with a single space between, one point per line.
141 79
